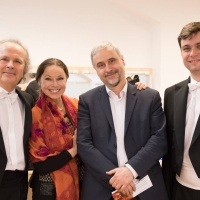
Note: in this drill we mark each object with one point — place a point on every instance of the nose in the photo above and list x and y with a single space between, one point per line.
107 67
10 64
54 83
194 52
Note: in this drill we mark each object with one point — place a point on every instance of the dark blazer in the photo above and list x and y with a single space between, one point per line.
145 141
33 89
28 102
175 106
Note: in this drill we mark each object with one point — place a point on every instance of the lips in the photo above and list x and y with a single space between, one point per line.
194 60
55 91
12 73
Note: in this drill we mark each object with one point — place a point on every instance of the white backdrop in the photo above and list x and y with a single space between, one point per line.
145 31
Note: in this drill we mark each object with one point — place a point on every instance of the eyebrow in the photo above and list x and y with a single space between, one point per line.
100 62
189 45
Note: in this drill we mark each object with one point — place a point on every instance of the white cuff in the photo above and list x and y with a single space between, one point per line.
135 174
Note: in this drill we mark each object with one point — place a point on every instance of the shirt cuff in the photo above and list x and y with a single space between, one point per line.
135 174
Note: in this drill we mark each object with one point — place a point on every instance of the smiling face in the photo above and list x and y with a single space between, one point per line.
110 68
190 51
53 82
12 63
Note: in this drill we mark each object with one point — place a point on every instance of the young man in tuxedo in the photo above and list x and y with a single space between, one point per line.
181 166
121 132
15 121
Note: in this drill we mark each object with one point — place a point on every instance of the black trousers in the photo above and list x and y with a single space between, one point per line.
184 193
14 185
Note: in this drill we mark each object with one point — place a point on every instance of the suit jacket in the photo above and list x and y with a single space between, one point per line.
28 102
33 89
175 106
145 141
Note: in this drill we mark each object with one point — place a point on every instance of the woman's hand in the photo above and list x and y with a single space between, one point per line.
141 86
73 150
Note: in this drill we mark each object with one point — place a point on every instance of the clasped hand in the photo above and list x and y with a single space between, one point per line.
122 180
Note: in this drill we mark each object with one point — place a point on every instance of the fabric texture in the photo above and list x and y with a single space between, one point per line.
50 136
14 185
33 89
184 193
175 107
27 102
144 138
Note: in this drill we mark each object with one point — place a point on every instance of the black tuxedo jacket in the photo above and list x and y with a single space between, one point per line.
145 141
175 105
28 102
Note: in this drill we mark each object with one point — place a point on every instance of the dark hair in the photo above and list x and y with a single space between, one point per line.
48 62
189 30
27 58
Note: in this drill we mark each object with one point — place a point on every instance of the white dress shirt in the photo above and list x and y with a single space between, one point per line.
12 127
118 106
188 176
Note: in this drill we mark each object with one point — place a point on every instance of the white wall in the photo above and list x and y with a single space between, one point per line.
145 31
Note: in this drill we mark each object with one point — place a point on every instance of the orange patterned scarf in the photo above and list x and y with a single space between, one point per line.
50 135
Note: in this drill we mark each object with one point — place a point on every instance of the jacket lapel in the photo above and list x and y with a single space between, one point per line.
130 104
180 106
27 118
105 103
196 131
2 147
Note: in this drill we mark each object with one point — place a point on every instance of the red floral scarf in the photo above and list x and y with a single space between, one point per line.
50 135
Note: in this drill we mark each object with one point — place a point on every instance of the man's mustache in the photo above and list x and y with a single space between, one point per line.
111 72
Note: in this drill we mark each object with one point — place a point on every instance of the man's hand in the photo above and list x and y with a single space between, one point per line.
141 86
128 191
122 180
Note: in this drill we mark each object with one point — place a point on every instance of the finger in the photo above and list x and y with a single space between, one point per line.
133 186
113 171
145 86
129 190
116 186
112 181
140 86
124 192
75 136
74 139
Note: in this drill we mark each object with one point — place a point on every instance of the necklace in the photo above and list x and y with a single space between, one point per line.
60 108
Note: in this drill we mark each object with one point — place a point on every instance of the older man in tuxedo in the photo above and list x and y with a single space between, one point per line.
181 166
121 132
15 121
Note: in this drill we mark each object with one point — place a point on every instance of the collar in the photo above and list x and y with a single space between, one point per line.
5 91
193 80
123 91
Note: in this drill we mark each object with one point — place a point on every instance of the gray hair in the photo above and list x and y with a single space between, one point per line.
104 45
27 58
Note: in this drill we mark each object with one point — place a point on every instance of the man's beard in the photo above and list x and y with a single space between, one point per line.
113 83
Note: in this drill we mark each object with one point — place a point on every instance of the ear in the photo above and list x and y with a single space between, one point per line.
123 60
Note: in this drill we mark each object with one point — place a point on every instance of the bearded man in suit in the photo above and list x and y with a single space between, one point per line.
121 132
181 166
15 121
